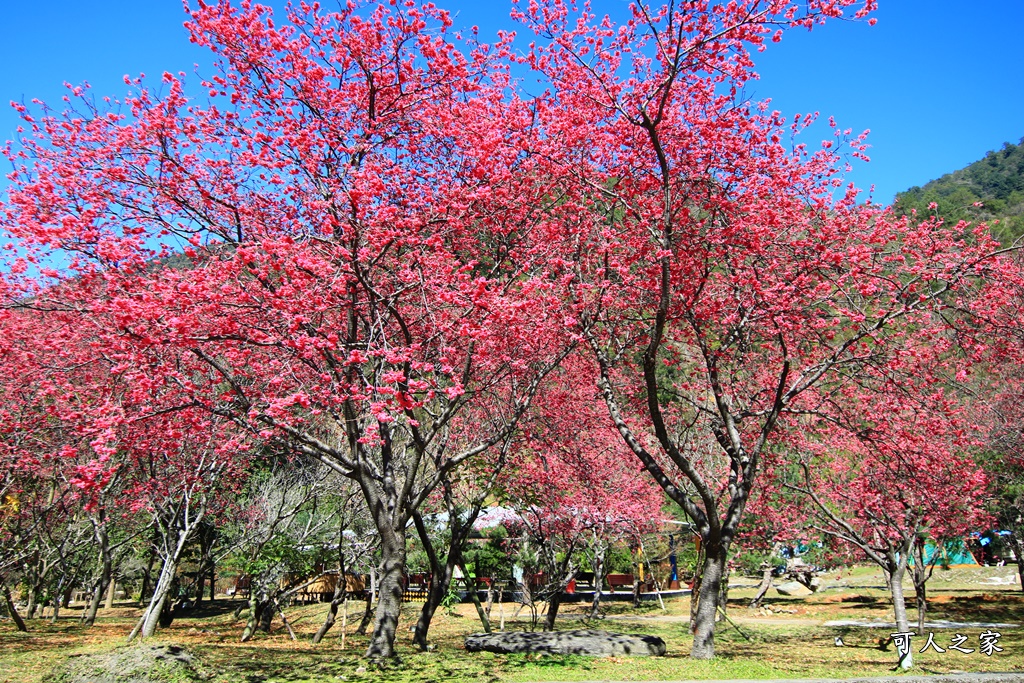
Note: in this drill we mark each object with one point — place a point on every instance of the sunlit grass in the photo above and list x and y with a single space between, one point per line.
787 640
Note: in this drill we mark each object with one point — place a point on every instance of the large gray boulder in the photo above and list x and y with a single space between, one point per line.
131 664
793 589
588 642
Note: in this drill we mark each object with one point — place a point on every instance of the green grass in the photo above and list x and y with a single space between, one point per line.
787 642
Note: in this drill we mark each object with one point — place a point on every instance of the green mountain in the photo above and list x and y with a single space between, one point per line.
996 183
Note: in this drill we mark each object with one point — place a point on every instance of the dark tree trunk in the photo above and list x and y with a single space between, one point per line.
207 540
474 597
367 619
102 581
266 616
12 610
436 594
553 604
147 576
441 581
332 611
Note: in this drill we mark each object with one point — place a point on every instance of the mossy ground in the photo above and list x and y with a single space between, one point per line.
786 641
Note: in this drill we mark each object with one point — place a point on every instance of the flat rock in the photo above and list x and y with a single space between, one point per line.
793 588
585 642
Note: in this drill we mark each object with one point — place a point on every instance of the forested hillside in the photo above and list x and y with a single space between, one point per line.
987 190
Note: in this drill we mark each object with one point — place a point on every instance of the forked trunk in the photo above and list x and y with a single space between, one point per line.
707 603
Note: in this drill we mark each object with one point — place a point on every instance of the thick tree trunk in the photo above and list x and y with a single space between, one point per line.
12 610
69 589
707 602
389 600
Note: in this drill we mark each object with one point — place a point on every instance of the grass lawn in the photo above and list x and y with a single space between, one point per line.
787 640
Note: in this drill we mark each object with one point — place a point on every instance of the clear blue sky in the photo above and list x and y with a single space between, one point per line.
937 82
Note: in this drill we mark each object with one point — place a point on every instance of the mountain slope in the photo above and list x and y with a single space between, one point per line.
988 190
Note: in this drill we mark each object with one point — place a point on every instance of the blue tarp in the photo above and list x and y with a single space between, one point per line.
950 553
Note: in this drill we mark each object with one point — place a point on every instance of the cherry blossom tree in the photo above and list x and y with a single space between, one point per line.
574 489
725 280
338 252
899 474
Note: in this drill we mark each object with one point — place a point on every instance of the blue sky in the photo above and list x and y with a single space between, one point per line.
937 82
